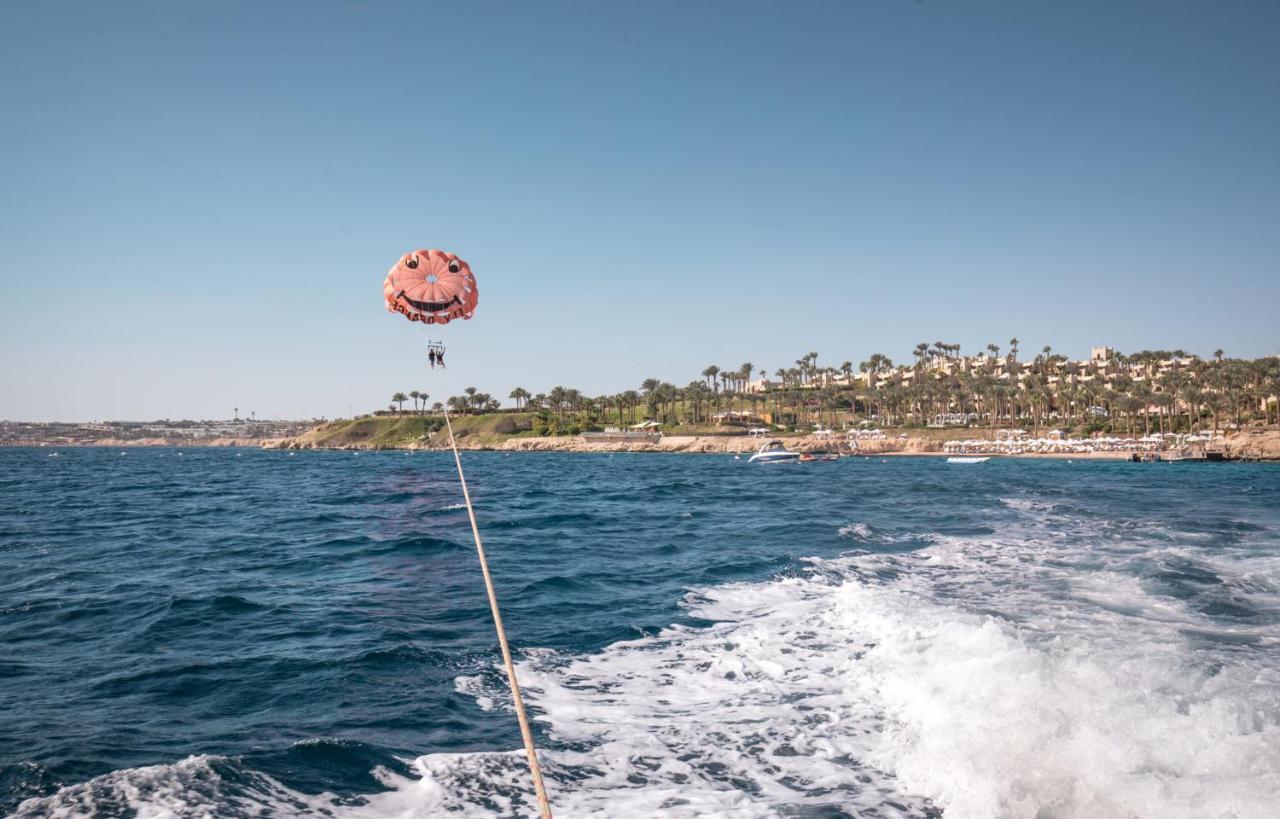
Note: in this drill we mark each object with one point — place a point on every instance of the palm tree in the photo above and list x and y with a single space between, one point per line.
520 395
557 399
1013 348
710 374
1192 399
1143 392
414 395
399 398
922 349
632 399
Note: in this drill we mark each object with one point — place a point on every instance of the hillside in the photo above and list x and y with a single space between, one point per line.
410 432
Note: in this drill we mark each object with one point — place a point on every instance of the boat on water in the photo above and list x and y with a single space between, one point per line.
973 459
773 452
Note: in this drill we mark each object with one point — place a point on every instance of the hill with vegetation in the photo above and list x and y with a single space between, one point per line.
413 432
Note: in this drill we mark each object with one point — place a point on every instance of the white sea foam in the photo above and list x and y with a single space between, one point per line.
188 788
857 531
1024 504
1031 673
854 694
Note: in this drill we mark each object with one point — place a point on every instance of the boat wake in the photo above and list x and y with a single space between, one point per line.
1043 671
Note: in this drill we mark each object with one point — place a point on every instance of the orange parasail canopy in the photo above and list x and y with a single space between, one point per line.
431 286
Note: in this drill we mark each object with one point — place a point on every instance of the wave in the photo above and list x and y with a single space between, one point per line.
218 786
858 696
822 692
1023 657
857 531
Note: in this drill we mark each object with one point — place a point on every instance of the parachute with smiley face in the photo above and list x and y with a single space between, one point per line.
431 286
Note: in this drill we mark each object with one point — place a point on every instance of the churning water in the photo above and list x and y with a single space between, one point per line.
245 633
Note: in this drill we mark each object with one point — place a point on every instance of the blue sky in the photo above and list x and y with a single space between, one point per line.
200 201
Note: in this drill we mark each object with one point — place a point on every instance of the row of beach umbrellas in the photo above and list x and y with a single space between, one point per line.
1102 444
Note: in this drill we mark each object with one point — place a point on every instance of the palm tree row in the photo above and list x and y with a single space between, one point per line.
1124 394
471 401
1001 392
397 402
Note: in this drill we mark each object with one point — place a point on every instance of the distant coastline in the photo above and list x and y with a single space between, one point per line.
250 443
507 432
503 433
235 432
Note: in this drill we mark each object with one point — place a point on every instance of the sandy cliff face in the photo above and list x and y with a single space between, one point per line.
572 443
1250 444
673 443
1254 444
713 444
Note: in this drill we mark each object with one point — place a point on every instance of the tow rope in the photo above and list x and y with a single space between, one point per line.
544 806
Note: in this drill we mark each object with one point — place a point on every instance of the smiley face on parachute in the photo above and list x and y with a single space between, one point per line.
431 286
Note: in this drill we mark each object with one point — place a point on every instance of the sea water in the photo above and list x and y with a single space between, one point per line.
207 632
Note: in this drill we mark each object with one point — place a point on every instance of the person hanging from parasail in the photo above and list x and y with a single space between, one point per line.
435 354
433 287
436 287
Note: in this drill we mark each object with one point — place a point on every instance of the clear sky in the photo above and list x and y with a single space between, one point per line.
199 201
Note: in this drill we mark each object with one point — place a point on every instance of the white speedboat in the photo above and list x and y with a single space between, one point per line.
968 459
773 452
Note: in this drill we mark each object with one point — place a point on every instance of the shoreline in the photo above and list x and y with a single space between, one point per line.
1252 445
211 443
674 445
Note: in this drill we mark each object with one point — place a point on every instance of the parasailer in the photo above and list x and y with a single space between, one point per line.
433 287
436 287
435 353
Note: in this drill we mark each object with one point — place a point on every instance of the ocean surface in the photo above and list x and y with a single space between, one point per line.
200 632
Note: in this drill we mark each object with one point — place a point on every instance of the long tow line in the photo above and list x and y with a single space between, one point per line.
544 806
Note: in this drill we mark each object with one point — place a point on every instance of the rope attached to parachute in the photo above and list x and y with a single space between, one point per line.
544 806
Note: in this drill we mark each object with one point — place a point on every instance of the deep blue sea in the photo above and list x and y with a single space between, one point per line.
210 632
